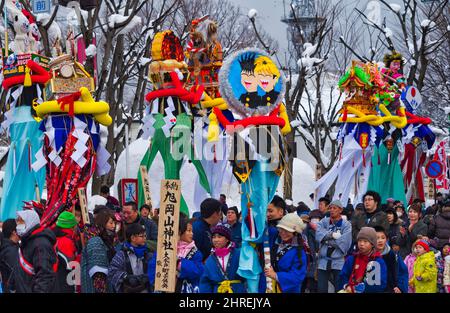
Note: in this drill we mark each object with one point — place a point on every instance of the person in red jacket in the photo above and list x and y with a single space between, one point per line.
68 249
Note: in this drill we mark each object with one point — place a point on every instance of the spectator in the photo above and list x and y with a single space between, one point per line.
223 201
401 211
68 250
36 271
211 214
439 229
424 279
323 206
409 261
275 211
412 230
354 277
155 216
111 202
235 225
288 258
394 229
220 273
128 269
390 203
397 273
131 216
145 210
446 278
98 253
302 209
8 253
372 216
334 235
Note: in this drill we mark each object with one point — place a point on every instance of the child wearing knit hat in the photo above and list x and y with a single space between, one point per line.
364 271
424 279
220 272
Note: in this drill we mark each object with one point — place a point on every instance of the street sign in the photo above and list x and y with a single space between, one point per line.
434 169
41 6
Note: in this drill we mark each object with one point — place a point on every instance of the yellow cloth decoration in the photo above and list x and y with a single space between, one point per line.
213 128
87 105
225 286
283 114
27 81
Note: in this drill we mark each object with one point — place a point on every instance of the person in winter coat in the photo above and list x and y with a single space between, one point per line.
211 214
220 272
334 235
131 216
275 212
424 279
36 271
412 230
446 278
98 254
394 229
128 270
364 271
440 264
66 244
409 261
8 253
372 215
189 265
288 258
395 277
235 225
439 228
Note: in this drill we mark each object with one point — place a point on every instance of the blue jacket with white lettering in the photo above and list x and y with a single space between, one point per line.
213 276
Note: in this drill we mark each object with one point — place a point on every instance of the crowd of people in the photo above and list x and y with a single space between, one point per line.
373 247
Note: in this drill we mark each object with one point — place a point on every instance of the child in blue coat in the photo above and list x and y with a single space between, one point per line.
365 271
288 258
189 265
220 274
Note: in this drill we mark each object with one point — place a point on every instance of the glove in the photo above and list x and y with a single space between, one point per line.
336 235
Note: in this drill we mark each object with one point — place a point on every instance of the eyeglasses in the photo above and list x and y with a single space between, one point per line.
368 199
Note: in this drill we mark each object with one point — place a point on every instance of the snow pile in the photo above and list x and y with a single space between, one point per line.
114 20
388 32
395 7
303 178
91 51
308 63
252 13
144 61
427 23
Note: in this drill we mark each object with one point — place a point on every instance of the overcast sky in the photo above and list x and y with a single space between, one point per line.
270 13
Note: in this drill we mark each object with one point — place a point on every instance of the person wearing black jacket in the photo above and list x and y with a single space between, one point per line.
131 215
37 266
8 253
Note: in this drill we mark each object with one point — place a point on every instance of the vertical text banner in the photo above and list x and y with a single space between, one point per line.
83 205
145 184
169 213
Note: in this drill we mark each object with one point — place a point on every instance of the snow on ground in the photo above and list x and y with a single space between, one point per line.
302 181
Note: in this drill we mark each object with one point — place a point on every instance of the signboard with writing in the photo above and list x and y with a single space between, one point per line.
145 184
128 190
166 263
15 64
83 205
41 6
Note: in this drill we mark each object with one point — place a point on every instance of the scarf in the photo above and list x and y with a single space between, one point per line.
221 253
138 251
360 266
183 248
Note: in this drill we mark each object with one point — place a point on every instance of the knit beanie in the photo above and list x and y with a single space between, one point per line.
66 220
424 244
369 234
221 230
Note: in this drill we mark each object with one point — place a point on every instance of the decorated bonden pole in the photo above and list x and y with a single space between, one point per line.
74 146
253 88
